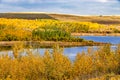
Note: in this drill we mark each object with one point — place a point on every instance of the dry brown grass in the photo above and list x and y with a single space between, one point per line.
64 17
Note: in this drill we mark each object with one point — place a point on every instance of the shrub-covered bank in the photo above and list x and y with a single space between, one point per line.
26 30
57 66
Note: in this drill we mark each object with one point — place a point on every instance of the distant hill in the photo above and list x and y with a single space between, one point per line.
25 15
64 17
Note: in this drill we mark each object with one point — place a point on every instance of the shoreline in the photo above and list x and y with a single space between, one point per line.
50 43
95 34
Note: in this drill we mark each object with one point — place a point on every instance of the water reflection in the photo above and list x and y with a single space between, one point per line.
71 52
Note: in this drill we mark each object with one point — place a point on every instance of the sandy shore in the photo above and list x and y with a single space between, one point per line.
95 34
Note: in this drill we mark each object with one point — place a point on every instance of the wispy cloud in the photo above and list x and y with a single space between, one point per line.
34 1
51 1
62 6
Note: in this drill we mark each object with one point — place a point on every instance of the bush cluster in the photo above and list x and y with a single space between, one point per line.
56 66
26 30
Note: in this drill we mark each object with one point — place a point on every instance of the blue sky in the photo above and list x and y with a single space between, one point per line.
79 7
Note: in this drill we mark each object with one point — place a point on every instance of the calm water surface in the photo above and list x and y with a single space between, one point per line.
72 51
106 39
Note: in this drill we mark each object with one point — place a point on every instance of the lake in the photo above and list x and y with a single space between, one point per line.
108 39
72 51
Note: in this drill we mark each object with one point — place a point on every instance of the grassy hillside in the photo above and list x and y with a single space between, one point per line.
64 17
97 19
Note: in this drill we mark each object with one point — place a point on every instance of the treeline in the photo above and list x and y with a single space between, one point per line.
57 66
25 30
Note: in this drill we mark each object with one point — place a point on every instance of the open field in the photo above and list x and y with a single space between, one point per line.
64 17
96 19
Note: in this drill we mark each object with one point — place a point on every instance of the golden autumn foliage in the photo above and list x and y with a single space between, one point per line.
22 29
102 64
